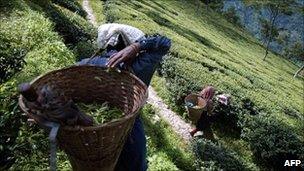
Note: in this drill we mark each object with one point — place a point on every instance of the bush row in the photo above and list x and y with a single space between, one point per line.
25 29
211 51
214 156
272 141
71 5
78 34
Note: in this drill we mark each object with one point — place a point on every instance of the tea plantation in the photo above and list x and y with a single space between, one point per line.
261 128
264 122
37 37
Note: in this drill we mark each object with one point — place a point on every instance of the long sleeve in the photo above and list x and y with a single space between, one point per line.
153 49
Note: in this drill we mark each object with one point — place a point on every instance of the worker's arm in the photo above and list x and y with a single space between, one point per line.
151 50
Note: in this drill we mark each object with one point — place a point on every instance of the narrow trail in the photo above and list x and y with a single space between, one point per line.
86 6
178 124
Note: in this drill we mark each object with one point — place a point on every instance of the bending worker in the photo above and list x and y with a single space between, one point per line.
127 47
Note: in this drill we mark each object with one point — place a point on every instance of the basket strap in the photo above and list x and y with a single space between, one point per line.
95 54
53 143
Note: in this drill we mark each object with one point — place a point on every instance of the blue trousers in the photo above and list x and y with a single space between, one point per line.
133 155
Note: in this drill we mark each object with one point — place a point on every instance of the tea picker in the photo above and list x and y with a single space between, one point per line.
119 144
199 107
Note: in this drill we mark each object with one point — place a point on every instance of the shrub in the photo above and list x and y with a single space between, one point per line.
178 85
272 142
232 17
213 155
72 5
98 10
32 151
166 151
72 27
25 29
228 120
84 49
11 59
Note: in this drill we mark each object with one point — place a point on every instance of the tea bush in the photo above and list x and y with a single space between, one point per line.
84 49
98 11
214 155
272 142
208 50
11 60
71 5
166 151
71 26
30 30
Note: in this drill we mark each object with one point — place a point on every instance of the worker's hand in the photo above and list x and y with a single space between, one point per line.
207 93
124 55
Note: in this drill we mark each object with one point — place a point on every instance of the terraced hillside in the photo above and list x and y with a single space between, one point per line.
262 126
266 113
37 37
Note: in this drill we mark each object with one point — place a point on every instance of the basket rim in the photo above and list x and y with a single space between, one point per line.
197 95
91 66
85 128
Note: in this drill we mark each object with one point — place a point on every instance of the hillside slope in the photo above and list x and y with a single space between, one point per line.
267 108
264 120
208 50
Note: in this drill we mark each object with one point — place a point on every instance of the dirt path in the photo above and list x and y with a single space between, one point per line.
86 6
178 124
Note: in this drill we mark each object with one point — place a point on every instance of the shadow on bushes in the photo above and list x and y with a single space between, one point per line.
72 32
208 151
227 120
160 139
71 5
272 142
78 33
11 58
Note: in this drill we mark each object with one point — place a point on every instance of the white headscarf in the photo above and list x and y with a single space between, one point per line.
108 34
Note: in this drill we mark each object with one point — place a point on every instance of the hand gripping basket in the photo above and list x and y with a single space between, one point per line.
95 147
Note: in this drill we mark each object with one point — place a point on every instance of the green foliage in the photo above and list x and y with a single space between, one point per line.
101 113
71 26
215 156
11 59
272 142
78 33
32 152
207 50
72 5
26 29
231 16
166 151
98 11
84 49
268 30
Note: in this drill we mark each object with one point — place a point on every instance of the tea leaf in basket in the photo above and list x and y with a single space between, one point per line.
101 113
97 78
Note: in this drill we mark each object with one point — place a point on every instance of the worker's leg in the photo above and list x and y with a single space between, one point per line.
204 125
133 155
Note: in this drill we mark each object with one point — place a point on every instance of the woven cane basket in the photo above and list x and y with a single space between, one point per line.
95 147
195 113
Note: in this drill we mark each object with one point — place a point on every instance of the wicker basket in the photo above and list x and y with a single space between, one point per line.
196 100
95 147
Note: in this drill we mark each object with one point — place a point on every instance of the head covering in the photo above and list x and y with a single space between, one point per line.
108 34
